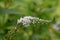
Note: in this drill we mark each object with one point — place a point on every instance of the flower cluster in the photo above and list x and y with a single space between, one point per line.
28 19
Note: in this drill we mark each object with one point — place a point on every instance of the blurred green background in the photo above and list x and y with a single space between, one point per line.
11 10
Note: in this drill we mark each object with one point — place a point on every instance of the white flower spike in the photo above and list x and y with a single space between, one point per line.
28 19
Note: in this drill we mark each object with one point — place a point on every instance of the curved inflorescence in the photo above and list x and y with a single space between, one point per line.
29 19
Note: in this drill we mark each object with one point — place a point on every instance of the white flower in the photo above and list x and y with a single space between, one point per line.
56 26
20 20
28 19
